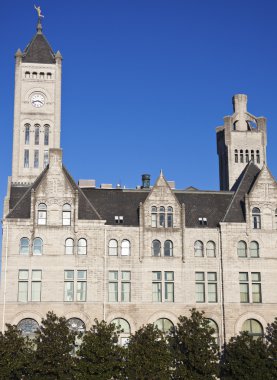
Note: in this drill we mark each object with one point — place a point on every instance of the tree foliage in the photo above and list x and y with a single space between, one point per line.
271 337
195 352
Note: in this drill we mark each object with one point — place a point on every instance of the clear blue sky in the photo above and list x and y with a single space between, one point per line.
145 82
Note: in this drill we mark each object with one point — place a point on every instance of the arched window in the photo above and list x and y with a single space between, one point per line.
78 326
258 159
168 248
198 248
154 216
252 156
42 214
156 248
253 327
28 327
123 325
241 156
125 248
49 75
169 217
69 246
41 75
46 134
246 156
236 156
256 218
164 325
82 247
27 134
113 245
37 246
34 75
242 249
27 74
210 249
24 246
162 217
37 134
66 214
254 249
214 326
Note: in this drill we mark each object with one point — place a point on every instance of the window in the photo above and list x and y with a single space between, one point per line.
236 156
212 287
244 287
198 249
42 214
210 249
113 245
125 248
168 248
81 295
23 277
156 248
69 246
247 156
241 156
24 246
49 75
27 134
154 216
37 246
213 325
78 326
203 221
258 159
256 287
26 158
41 75
162 217
252 156
28 327
66 214
36 134
69 285
45 158
242 249
118 219
254 249
119 280
36 158
46 134
36 286
169 217
164 325
168 287
256 291
34 75
82 247
256 218
200 287
27 74
125 331
253 327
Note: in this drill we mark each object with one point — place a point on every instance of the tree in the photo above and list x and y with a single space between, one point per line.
100 356
147 355
271 337
195 352
245 358
15 353
54 345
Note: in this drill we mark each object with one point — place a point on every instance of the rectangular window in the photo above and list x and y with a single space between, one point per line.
158 295
69 285
113 286
256 287
169 286
244 287
212 286
36 286
45 158
81 285
23 277
125 286
200 286
157 286
119 282
26 158
36 158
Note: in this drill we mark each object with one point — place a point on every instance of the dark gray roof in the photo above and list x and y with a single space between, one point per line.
38 51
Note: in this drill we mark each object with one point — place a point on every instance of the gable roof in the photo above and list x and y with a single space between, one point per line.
38 50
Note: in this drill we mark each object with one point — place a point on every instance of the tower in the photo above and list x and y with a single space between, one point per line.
240 140
37 107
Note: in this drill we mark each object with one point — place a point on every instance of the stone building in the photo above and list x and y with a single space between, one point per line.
133 256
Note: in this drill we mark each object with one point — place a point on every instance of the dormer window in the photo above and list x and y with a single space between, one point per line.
154 216
118 219
162 217
42 214
66 214
169 217
236 156
203 221
256 218
258 156
247 156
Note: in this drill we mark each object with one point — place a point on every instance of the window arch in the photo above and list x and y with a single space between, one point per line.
252 155
27 134
198 249
27 74
164 325
236 156
246 156
66 214
253 328
214 326
210 249
258 159
124 326
24 246
156 248
28 327
82 247
162 217
42 214
69 246
113 246
168 248
169 217
254 249
37 246
37 127
154 216
125 248
256 218
41 75
46 134
49 75
241 156
242 249
34 75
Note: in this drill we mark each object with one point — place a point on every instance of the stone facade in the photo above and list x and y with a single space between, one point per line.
142 255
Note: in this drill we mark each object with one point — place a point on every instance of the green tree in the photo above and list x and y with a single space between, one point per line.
15 354
245 358
148 355
54 344
271 337
195 352
100 356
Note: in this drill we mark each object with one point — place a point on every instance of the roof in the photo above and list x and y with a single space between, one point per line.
38 50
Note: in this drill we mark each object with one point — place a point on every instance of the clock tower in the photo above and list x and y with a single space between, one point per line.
37 107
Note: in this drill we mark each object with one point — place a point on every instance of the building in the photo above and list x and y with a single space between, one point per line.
133 256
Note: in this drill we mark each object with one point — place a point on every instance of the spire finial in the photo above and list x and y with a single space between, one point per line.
161 173
40 16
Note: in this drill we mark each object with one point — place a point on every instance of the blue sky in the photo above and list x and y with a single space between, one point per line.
145 82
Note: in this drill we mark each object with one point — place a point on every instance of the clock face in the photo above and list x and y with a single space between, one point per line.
37 100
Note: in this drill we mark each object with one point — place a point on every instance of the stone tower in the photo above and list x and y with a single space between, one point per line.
240 140
37 107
